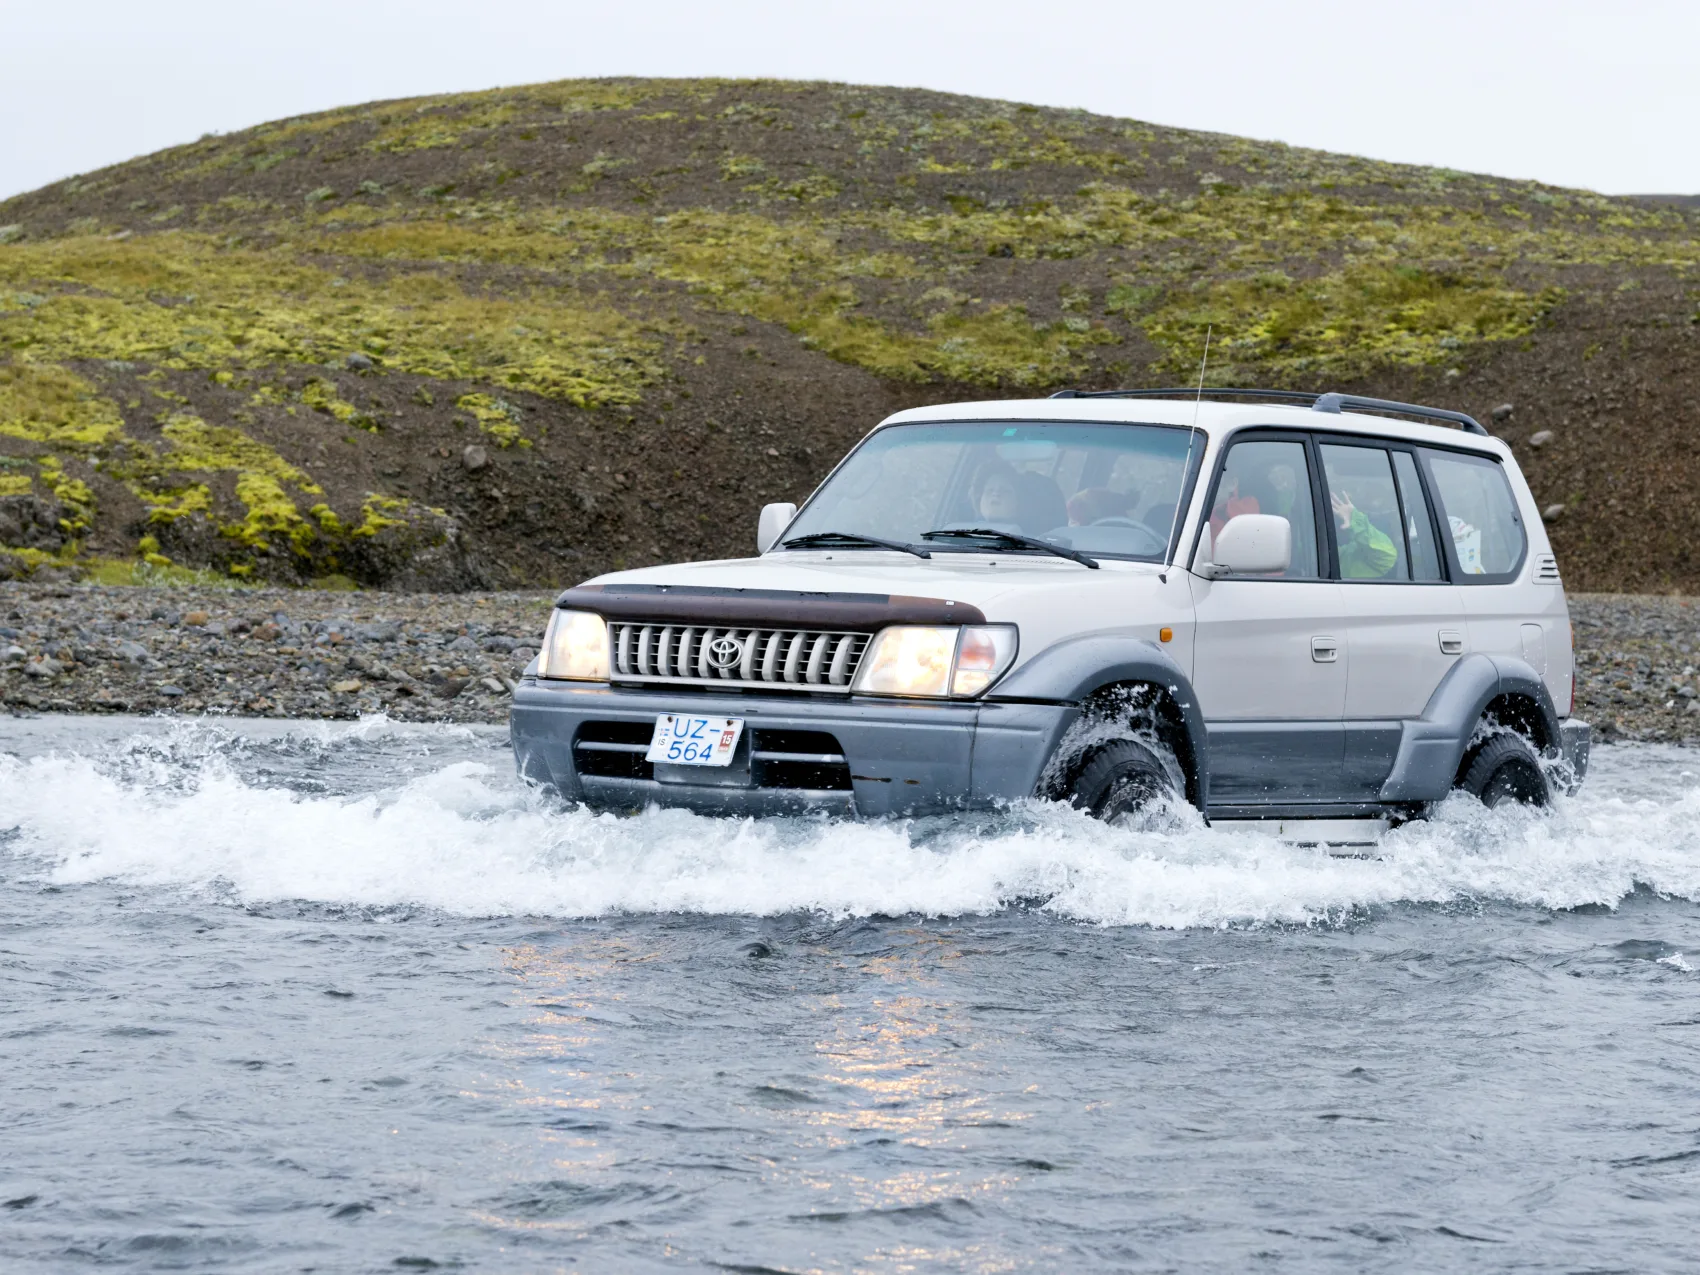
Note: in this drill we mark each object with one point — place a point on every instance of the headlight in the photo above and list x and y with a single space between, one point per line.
575 646
936 661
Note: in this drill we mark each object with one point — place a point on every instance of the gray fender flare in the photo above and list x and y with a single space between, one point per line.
1432 747
1072 671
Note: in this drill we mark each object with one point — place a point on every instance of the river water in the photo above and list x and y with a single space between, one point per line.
347 998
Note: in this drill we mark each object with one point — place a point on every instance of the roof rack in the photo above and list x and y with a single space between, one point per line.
1339 402
1192 391
1330 402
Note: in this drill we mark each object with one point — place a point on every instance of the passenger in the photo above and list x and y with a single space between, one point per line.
997 495
1366 552
1283 490
1092 504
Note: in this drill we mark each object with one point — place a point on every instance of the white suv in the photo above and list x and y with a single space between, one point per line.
1295 608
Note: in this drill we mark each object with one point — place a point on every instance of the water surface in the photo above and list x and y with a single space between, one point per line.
347 998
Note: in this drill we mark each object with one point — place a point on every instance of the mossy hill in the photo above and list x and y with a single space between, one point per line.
648 306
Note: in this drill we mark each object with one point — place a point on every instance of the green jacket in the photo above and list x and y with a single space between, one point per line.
1365 551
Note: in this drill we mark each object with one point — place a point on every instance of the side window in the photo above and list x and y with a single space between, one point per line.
1419 527
1479 512
1270 478
1365 506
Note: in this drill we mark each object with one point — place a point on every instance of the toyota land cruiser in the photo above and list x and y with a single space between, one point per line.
1318 610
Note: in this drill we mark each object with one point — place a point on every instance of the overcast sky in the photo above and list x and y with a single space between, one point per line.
1602 94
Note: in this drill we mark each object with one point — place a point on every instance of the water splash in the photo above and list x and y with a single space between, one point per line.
383 816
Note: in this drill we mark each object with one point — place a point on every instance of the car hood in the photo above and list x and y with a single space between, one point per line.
991 582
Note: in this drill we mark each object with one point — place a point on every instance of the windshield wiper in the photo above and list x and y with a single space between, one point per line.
1011 538
854 538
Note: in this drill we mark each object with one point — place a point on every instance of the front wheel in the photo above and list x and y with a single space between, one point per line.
1507 768
1122 778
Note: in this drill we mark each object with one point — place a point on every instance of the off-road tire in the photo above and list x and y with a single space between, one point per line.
1119 779
1507 768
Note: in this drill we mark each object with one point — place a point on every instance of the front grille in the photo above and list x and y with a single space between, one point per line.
798 759
614 750
796 659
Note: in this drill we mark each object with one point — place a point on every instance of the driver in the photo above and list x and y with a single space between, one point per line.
1230 504
1093 504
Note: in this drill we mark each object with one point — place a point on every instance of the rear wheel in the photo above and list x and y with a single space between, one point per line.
1507 768
1122 778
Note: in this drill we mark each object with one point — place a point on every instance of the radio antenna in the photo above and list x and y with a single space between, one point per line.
1197 402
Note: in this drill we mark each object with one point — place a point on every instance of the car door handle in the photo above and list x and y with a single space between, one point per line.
1451 642
1324 650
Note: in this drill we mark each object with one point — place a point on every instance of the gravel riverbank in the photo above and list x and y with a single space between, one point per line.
452 657
265 652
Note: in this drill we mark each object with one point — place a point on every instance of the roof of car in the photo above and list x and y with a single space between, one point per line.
1212 417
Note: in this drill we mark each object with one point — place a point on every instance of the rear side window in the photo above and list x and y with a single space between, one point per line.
1365 507
1479 515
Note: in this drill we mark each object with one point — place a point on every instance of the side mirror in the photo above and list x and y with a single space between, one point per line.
774 520
1251 545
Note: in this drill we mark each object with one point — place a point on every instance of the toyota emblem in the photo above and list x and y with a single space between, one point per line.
725 652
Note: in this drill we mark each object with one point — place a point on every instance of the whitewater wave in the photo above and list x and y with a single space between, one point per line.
192 808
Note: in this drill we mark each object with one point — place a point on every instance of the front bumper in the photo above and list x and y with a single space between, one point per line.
899 757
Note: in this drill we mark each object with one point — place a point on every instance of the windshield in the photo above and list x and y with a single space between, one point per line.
1106 490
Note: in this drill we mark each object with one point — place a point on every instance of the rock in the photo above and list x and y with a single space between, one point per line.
46 666
1540 438
267 632
1503 412
463 643
1552 513
773 451
493 685
12 655
194 619
130 652
170 691
523 655
474 459
498 642
350 687
449 687
31 522
11 233
421 551
358 362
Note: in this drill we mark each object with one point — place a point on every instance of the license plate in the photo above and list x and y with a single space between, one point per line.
694 741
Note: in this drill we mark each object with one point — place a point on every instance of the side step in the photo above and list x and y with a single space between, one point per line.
1337 836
